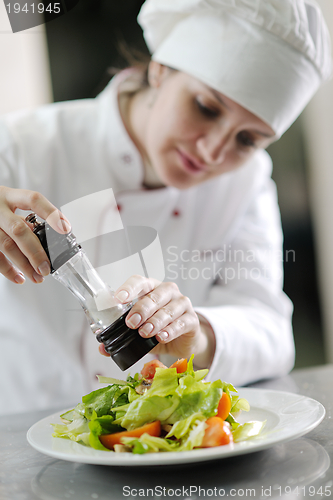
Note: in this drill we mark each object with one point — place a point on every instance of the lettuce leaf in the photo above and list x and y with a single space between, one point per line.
110 380
247 430
183 400
195 436
69 415
100 401
196 397
239 405
165 383
149 444
182 427
148 409
78 430
99 426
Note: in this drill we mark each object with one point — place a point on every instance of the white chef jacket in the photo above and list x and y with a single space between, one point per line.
221 242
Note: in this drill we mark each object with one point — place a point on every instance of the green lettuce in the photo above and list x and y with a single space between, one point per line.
149 444
100 401
182 427
173 397
191 439
77 430
148 409
87 429
240 404
183 400
241 432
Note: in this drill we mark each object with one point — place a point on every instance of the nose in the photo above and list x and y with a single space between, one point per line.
212 146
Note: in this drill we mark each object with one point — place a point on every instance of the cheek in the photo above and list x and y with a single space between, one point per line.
235 159
170 124
166 132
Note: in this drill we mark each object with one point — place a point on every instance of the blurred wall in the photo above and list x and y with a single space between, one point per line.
84 43
25 77
318 130
300 283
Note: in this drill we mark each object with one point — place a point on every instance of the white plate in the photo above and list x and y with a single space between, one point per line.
288 416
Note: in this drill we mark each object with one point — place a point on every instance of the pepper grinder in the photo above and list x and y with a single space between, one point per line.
71 267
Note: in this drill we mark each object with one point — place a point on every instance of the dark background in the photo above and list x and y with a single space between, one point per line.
83 44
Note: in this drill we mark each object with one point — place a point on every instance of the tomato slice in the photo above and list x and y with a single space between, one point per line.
109 440
217 433
224 406
149 369
180 365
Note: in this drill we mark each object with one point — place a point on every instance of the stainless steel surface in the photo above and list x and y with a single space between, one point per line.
32 218
298 469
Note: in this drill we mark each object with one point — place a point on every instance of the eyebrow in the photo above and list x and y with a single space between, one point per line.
221 101
269 136
219 98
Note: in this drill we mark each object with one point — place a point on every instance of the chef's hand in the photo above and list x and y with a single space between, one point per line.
163 311
20 249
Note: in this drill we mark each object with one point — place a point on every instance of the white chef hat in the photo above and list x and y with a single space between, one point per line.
270 56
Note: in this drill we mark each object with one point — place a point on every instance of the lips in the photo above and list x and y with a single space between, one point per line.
191 164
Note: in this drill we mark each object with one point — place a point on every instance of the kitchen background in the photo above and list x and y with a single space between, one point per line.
68 58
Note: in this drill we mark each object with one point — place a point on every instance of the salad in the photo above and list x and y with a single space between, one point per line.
159 410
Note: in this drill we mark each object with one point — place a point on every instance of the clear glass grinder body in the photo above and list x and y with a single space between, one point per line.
106 316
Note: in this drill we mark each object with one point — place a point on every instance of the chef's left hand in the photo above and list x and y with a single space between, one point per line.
163 311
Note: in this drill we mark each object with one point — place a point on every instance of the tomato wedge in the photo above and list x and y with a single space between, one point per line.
149 369
217 433
224 406
180 365
109 440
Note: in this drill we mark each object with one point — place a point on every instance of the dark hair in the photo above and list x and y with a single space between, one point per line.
130 57
133 58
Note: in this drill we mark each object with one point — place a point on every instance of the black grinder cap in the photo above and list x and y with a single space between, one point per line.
58 247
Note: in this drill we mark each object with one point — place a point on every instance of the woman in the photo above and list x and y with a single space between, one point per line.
184 155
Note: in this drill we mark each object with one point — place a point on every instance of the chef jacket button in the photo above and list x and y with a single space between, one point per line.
119 207
126 158
176 213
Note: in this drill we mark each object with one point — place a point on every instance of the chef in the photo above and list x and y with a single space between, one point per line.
184 154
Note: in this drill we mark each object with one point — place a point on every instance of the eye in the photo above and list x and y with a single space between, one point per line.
246 140
206 110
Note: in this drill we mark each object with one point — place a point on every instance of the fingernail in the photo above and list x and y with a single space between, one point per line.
63 225
103 351
146 329
134 320
38 278
122 295
44 268
19 279
163 335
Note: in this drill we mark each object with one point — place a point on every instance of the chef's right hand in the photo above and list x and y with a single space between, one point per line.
20 249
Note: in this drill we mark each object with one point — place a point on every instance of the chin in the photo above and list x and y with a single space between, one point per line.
178 182
172 177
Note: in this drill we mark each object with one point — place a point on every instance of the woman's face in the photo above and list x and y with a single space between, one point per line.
194 133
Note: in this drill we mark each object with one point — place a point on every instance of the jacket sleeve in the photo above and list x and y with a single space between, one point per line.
246 308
